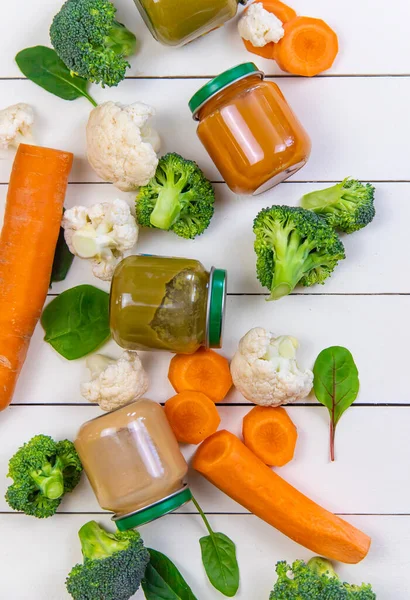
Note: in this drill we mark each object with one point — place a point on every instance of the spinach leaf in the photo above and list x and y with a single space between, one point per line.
219 559
163 581
42 65
63 259
77 321
336 385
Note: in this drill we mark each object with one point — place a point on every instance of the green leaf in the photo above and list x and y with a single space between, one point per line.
221 566
63 259
77 321
42 66
336 384
163 581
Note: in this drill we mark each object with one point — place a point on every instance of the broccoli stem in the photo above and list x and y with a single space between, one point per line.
121 40
167 208
49 481
322 566
322 198
96 543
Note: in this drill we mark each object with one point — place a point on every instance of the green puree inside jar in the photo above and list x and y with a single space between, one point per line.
159 303
176 22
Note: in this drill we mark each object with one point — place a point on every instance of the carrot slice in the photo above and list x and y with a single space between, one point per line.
308 47
27 244
192 416
234 469
270 434
205 371
284 13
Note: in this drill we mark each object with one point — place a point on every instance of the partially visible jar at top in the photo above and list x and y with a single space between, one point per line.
249 130
134 464
177 22
161 303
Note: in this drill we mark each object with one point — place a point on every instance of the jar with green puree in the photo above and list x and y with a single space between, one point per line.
162 303
177 22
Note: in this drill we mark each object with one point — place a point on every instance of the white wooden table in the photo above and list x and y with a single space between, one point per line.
357 117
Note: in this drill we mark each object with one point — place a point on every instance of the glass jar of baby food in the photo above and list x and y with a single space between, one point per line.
161 303
249 130
177 22
133 462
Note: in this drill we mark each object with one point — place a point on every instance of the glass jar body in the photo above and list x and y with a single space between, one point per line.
159 303
131 457
177 22
252 135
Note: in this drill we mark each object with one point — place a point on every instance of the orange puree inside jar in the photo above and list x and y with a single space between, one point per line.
249 130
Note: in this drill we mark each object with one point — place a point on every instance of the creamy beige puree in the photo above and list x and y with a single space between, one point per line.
131 457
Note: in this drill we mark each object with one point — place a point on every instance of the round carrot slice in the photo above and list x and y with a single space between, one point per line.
205 371
308 47
193 417
271 434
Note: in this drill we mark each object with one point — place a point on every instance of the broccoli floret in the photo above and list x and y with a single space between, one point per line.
178 198
315 580
113 567
294 245
43 471
90 42
346 206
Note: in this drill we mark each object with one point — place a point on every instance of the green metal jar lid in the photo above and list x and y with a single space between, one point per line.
219 83
216 307
154 511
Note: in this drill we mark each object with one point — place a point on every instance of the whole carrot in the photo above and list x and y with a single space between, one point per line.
28 240
234 469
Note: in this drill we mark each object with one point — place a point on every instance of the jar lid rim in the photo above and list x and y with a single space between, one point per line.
153 511
216 307
215 85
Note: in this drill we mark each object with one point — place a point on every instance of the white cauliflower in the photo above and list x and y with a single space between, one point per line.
15 125
121 145
260 27
265 371
115 383
101 233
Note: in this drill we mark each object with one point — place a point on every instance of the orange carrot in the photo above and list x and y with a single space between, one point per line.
283 12
192 416
308 47
234 469
205 371
270 434
27 244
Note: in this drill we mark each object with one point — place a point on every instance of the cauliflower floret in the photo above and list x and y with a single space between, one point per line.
115 383
260 27
101 233
15 125
265 371
121 145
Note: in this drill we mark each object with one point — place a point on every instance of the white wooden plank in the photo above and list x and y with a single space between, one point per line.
228 242
365 478
372 327
360 32
259 547
349 121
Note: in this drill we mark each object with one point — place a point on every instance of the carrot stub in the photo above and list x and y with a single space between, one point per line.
270 434
205 371
308 47
192 416
227 463
284 13
27 244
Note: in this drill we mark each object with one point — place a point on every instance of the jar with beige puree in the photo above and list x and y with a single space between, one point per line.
134 464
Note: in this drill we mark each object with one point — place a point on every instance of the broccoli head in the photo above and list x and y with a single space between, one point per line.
315 580
294 246
346 206
113 567
90 42
43 471
178 198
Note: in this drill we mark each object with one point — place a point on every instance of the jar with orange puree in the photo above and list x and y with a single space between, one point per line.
249 130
